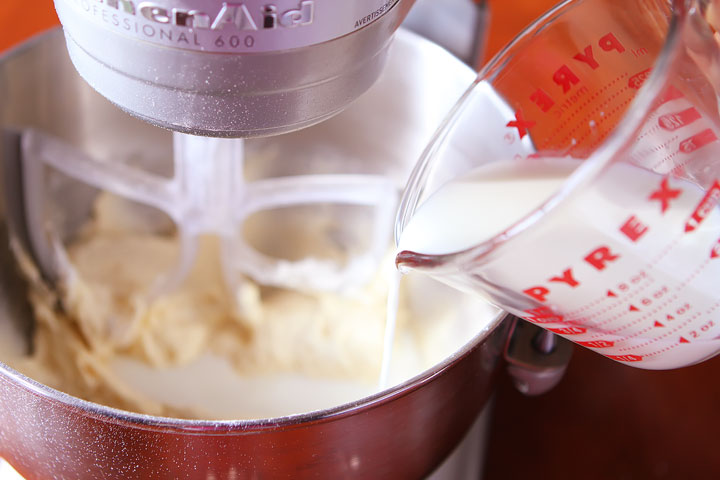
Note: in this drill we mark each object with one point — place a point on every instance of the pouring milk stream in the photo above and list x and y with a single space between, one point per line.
577 183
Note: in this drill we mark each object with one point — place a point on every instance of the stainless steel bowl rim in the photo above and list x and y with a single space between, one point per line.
242 427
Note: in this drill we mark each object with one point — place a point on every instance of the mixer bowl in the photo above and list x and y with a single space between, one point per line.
403 432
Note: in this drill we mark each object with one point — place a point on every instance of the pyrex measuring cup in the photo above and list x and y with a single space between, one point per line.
623 254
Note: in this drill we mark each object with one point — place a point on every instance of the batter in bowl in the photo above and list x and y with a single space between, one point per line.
201 351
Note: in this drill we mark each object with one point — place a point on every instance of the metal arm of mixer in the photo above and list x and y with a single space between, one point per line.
536 358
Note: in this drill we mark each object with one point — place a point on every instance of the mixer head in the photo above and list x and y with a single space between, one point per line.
230 69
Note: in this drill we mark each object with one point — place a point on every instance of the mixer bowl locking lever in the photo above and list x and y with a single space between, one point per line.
536 358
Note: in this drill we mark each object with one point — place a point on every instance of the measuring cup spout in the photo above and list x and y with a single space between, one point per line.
407 261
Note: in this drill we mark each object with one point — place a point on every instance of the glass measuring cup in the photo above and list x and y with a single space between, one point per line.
576 183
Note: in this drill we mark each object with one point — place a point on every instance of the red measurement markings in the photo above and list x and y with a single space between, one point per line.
667 159
543 315
678 288
670 94
715 251
646 301
642 332
625 358
680 311
664 148
697 141
670 347
673 121
622 290
638 79
568 330
668 122
704 208
597 344
591 116
641 279
685 146
643 157
547 315
637 321
560 128
647 132
607 320
664 145
704 328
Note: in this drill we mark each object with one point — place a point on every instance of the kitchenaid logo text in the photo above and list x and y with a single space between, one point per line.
221 26
237 15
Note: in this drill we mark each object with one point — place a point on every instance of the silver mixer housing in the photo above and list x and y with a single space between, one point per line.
231 69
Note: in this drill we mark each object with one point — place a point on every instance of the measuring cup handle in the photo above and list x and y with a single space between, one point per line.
536 358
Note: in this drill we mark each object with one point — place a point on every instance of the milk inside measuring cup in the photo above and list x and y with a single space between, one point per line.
483 203
627 265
